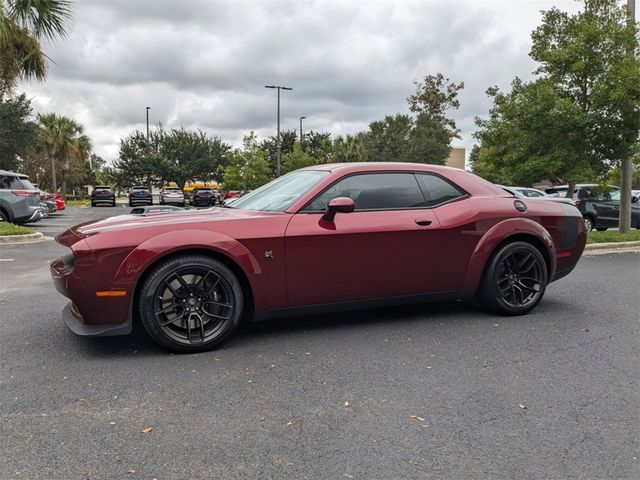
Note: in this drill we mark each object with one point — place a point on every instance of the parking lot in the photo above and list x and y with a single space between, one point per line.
430 391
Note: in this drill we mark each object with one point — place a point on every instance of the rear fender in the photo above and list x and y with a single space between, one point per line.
499 233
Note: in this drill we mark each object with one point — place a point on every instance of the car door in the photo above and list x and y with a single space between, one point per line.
387 247
606 207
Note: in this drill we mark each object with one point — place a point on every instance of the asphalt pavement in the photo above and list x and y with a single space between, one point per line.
433 391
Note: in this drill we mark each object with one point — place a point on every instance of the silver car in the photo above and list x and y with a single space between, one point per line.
19 199
171 195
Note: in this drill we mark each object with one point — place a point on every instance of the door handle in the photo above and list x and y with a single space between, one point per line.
423 222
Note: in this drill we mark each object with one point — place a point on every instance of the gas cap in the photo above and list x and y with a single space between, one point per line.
520 205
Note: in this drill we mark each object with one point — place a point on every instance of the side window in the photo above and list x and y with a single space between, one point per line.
437 190
5 182
373 191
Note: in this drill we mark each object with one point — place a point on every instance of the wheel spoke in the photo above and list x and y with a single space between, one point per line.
167 321
524 261
173 306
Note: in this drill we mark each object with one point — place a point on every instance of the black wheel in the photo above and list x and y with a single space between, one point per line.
191 303
588 223
113 204
515 279
602 229
93 204
130 204
4 217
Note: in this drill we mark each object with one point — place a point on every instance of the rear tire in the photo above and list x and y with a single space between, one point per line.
514 280
602 229
191 303
4 217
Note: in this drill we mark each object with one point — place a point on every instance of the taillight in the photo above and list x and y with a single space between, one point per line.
25 192
578 202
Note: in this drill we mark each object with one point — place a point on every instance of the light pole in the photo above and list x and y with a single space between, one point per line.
301 135
278 146
148 108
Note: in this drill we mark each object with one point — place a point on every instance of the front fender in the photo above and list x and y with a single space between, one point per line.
496 235
159 246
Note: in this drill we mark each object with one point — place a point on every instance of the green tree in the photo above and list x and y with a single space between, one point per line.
288 139
583 109
298 158
188 155
350 148
64 145
389 140
24 24
139 161
318 145
18 133
248 167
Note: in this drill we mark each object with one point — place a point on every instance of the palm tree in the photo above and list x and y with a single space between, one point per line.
23 25
62 140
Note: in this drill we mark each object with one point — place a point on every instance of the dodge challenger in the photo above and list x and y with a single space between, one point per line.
328 237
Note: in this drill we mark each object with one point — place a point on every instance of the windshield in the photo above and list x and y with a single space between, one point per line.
278 195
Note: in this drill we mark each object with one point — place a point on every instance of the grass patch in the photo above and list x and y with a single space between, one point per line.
7 228
77 203
613 236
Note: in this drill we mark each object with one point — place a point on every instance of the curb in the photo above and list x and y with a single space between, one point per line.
611 247
28 238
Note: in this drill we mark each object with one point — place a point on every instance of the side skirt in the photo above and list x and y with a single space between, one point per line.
364 304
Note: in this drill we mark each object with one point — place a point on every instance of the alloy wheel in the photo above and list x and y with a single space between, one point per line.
520 278
194 305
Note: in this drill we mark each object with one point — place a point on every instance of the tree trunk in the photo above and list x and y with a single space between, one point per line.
570 190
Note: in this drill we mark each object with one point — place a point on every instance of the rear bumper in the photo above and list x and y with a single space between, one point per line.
35 215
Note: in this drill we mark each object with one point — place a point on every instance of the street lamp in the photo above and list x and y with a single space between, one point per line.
301 135
279 147
148 108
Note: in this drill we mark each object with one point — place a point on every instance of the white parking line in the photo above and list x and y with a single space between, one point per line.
6 259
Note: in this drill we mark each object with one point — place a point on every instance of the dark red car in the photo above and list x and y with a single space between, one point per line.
323 238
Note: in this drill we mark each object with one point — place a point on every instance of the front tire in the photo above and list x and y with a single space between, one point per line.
588 223
191 303
515 279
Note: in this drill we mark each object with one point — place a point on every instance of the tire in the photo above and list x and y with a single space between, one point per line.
514 280
93 204
173 289
588 223
602 229
113 204
130 204
4 216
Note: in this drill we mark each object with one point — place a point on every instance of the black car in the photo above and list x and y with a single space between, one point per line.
103 194
202 197
599 205
140 195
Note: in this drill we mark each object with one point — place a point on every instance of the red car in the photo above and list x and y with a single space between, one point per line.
328 237
60 203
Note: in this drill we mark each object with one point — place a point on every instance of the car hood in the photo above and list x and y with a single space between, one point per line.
171 220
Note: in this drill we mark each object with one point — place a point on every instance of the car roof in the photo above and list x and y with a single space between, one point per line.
140 186
7 172
369 166
102 186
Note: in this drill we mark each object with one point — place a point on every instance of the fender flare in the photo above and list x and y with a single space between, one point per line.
138 260
496 235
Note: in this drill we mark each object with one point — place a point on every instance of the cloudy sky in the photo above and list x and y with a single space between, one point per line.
204 64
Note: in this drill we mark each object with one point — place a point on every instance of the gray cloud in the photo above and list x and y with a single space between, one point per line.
204 64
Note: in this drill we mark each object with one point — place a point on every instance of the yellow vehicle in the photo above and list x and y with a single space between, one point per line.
188 186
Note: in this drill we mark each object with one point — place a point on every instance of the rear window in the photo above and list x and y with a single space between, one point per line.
102 189
141 189
13 182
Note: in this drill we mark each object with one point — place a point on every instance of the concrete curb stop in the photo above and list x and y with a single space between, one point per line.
611 247
27 238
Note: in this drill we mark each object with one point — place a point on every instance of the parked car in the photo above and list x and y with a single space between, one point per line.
532 194
172 195
231 194
60 202
102 194
599 205
140 195
322 238
635 194
19 199
202 197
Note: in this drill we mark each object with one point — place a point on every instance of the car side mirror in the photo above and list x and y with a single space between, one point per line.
338 205
634 199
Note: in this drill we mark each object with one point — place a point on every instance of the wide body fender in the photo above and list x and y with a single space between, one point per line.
498 234
155 248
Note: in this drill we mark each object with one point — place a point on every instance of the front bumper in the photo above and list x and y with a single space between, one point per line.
74 321
88 314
